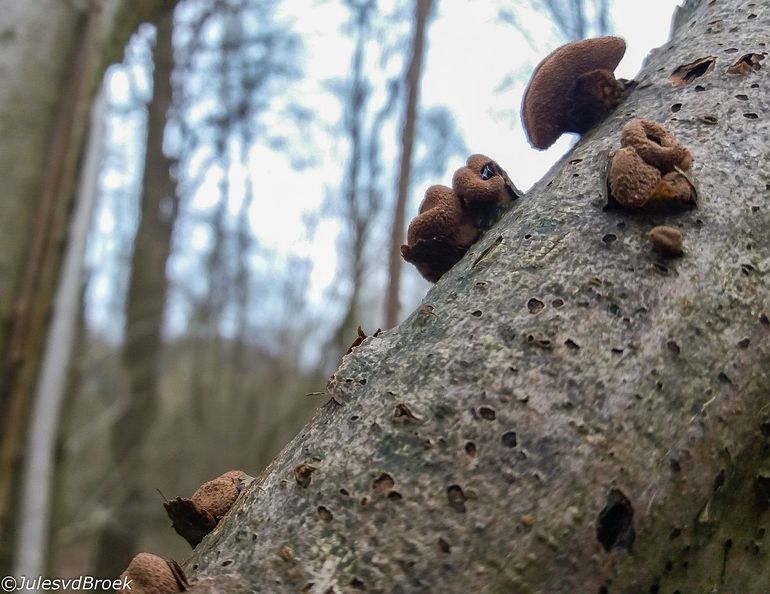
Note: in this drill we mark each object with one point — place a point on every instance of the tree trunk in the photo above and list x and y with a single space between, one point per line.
392 303
145 305
50 56
566 411
53 52
39 464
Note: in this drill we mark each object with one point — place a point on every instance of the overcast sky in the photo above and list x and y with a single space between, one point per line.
470 53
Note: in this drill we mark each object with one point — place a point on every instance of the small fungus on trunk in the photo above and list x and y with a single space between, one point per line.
150 574
649 170
195 517
666 240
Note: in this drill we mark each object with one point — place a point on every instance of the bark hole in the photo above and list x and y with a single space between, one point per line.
456 498
764 427
762 490
403 414
383 483
324 514
724 378
615 522
509 439
719 480
686 73
535 305
487 413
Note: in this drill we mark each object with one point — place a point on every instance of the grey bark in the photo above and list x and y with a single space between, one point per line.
558 378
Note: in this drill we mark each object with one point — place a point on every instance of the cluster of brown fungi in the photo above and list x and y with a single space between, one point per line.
571 90
450 220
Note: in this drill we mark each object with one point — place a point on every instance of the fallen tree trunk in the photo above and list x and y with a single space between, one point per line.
566 411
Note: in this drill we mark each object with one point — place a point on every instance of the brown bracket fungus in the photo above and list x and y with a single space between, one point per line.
572 89
649 170
440 234
195 517
485 190
150 574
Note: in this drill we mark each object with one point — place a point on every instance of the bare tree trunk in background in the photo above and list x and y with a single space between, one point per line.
145 305
53 53
43 131
392 304
572 413
39 464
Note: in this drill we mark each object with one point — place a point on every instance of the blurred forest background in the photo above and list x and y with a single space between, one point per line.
241 182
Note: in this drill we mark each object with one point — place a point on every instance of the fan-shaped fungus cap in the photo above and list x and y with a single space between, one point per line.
572 89
440 234
630 179
195 517
150 574
654 143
